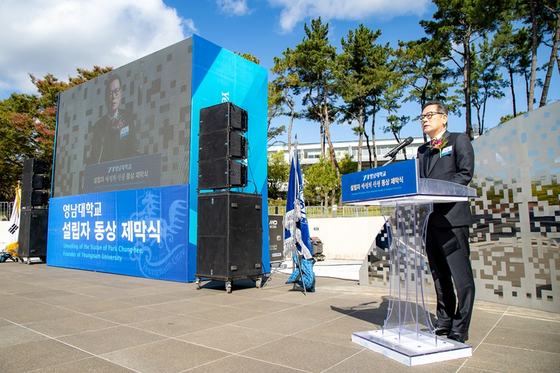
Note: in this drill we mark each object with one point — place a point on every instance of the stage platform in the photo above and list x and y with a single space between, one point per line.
64 320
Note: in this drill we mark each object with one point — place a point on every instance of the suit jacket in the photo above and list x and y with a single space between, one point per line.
110 143
456 164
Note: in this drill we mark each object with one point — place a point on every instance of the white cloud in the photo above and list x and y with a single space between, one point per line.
234 7
41 37
295 11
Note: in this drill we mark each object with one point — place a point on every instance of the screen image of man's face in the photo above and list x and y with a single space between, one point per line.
113 96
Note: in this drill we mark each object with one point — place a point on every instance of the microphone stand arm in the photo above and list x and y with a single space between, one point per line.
390 161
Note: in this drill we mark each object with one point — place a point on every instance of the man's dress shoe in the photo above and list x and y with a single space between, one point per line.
442 330
459 337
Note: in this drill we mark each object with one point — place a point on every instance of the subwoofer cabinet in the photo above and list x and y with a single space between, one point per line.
229 237
33 233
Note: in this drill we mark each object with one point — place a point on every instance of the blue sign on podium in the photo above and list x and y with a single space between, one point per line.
397 179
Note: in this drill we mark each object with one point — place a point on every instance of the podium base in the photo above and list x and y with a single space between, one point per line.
412 348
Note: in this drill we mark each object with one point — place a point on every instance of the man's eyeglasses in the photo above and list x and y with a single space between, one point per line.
114 92
429 115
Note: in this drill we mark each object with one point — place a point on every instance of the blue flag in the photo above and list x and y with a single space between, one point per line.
297 242
296 228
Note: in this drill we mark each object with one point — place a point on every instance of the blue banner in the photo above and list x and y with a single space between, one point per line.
218 76
397 179
142 232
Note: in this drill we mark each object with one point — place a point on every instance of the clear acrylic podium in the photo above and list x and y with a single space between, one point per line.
407 334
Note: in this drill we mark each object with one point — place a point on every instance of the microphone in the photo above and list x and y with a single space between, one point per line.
396 149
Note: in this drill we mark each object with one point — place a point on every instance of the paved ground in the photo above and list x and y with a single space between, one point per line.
62 320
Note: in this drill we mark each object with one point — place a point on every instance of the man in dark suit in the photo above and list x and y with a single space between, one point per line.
450 157
114 135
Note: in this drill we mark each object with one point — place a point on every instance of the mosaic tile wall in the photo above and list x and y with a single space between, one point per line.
515 240
516 236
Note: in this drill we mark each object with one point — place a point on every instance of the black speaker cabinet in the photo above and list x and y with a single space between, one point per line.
222 117
229 235
221 173
221 145
34 183
35 166
34 198
33 231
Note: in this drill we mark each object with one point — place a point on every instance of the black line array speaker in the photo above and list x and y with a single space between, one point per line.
35 183
229 235
221 117
222 147
33 232
221 173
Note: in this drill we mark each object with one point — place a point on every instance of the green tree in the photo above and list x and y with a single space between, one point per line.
356 77
422 64
285 85
321 182
392 103
347 165
539 20
459 23
363 72
395 125
278 174
275 109
428 77
315 65
554 28
487 81
27 125
514 49
249 57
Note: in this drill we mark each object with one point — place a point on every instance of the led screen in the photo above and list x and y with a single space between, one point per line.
127 129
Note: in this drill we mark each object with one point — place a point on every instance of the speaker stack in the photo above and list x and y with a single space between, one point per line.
229 232
34 210
35 184
222 147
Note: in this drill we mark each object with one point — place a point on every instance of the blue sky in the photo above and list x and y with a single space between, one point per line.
56 37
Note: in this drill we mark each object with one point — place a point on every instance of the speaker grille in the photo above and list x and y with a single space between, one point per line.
221 145
34 183
221 173
33 233
229 240
222 117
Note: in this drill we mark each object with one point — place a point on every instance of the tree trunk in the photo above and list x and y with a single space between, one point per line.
369 150
534 46
527 87
292 114
481 129
512 92
334 162
360 138
553 56
332 154
373 140
467 84
423 101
